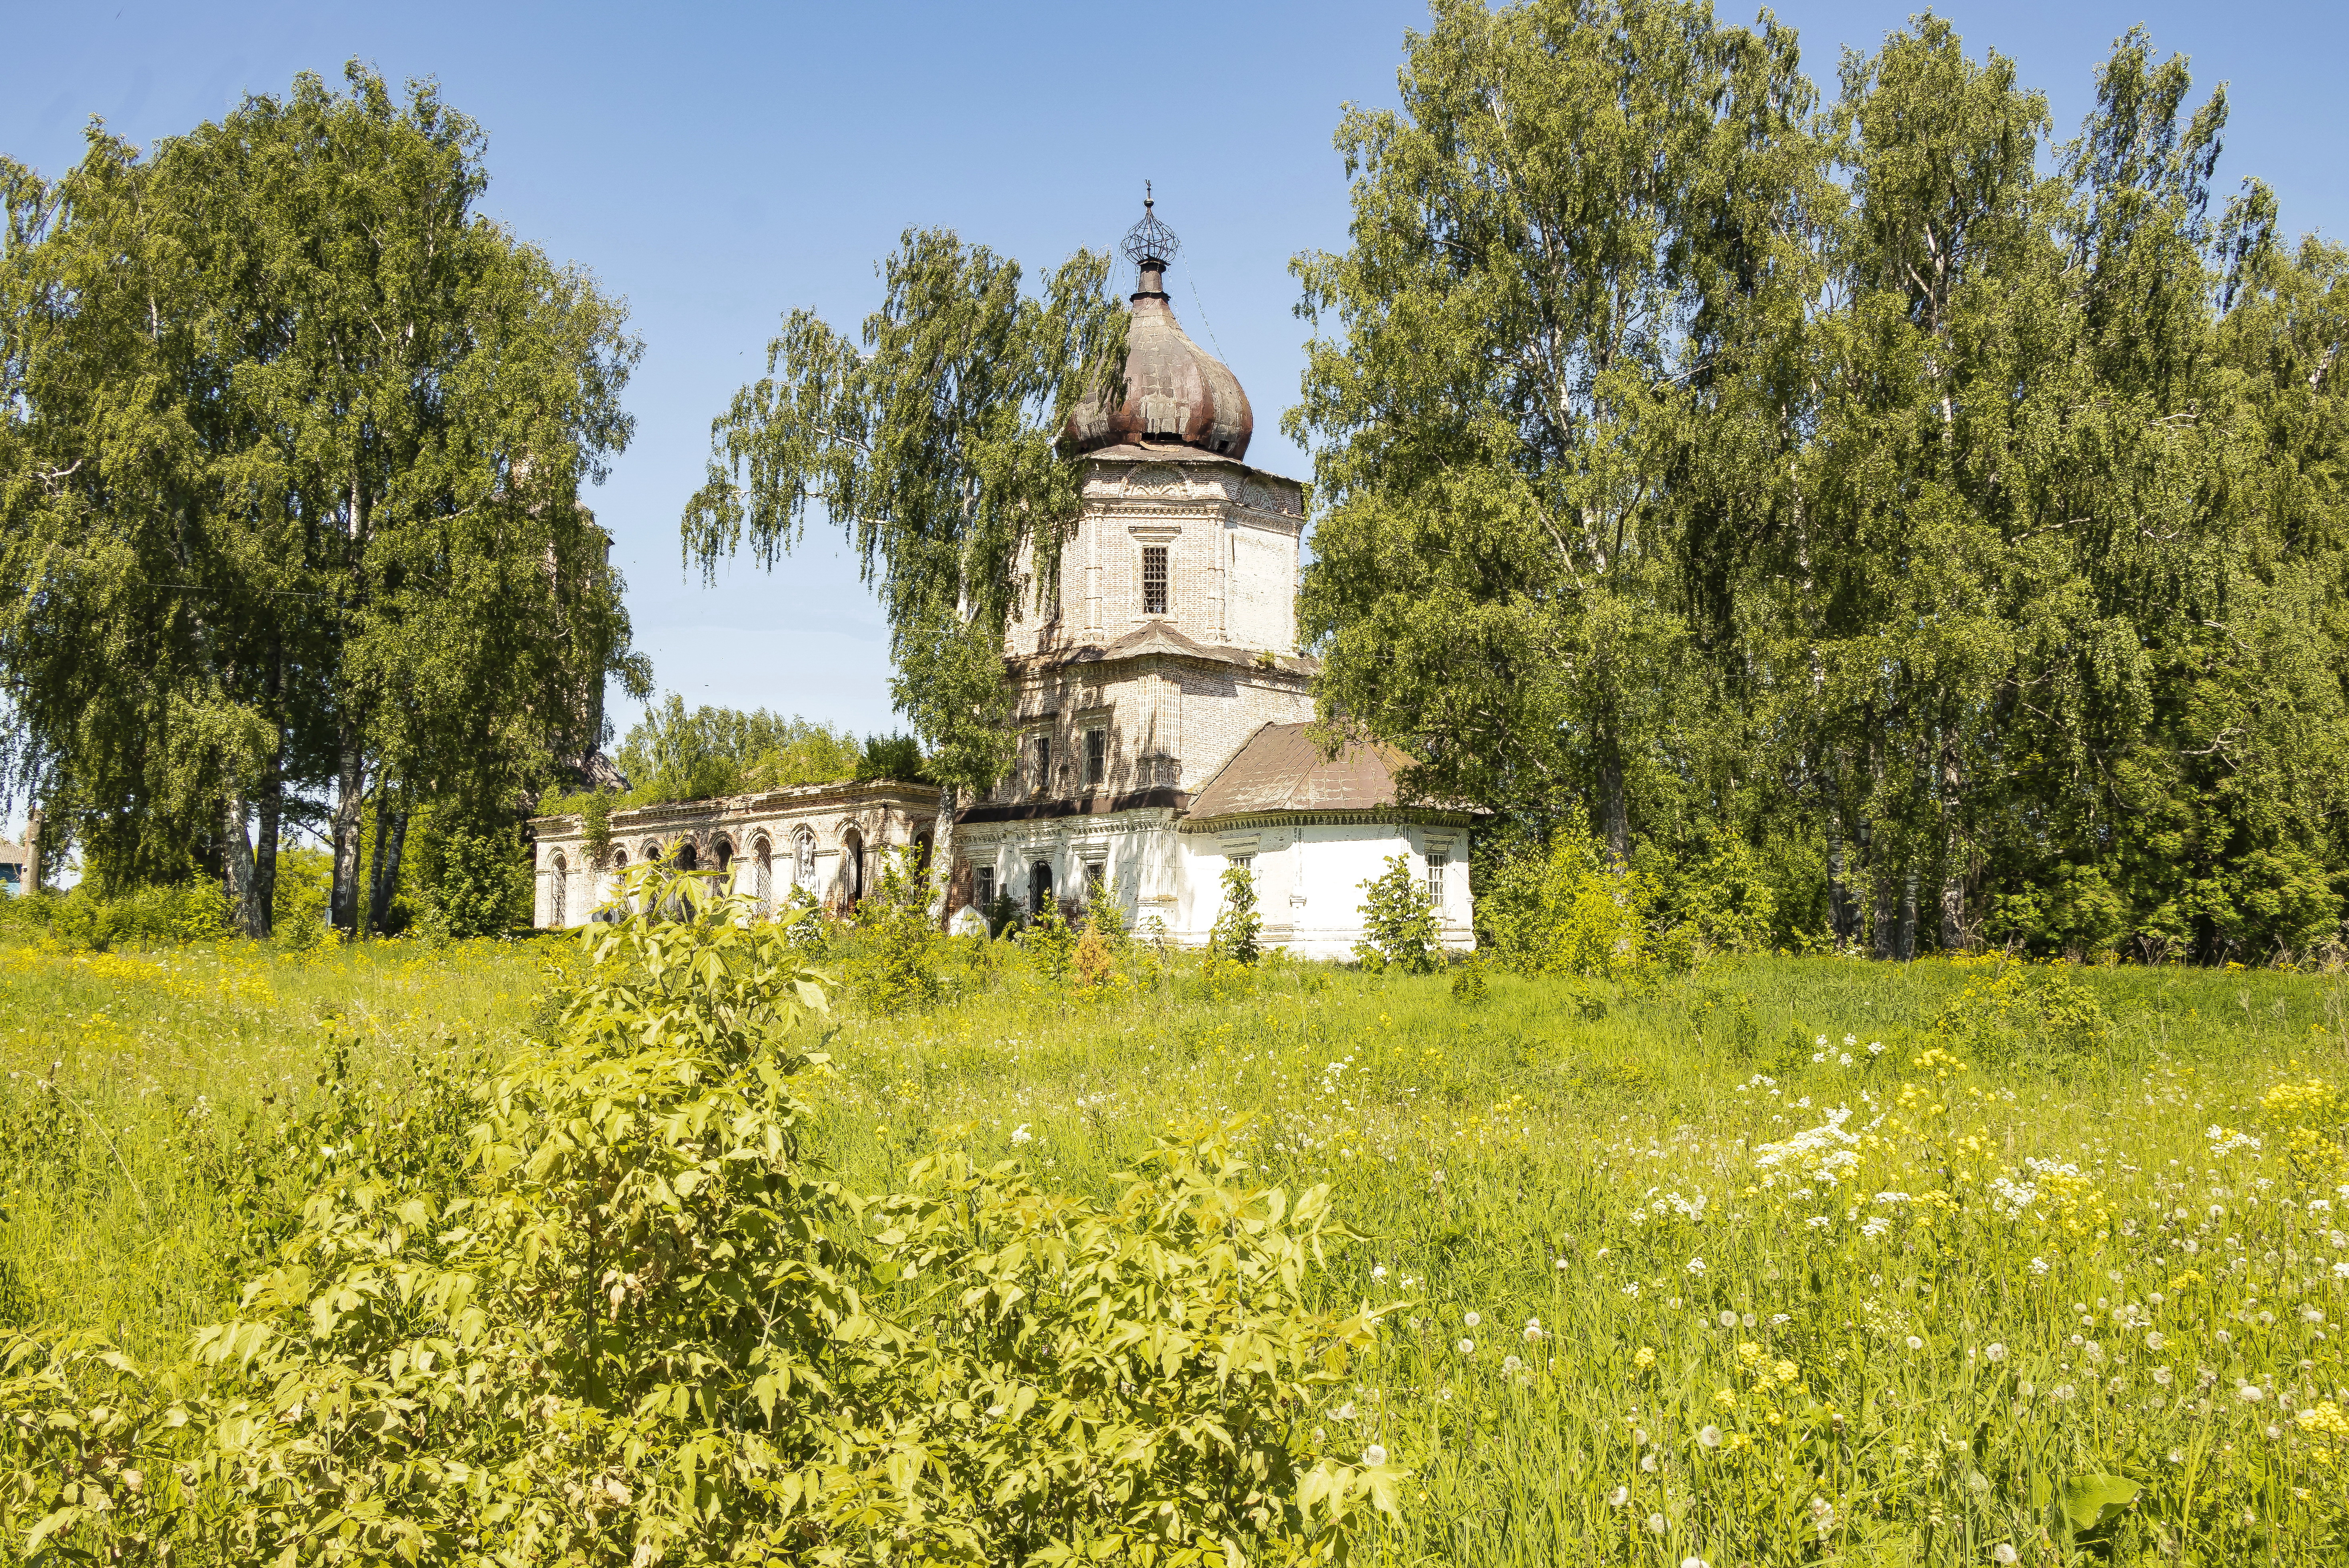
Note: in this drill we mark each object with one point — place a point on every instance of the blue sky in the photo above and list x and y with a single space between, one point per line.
720 165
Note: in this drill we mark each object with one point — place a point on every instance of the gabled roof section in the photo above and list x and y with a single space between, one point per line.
1281 767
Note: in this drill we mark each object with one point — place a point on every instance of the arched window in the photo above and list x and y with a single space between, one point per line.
763 883
652 851
724 851
852 868
1039 887
688 856
555 899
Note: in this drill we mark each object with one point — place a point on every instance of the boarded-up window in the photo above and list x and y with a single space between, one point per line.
1154 580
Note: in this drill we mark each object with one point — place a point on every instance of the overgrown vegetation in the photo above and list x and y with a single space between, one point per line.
1905 1187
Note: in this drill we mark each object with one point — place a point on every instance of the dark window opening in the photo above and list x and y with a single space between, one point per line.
1043 747
688 857
983 887
1096 756
1096 878
725 855
1154 580
1039 887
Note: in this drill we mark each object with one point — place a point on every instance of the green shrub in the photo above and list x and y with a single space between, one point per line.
893 967
483 884
2017 1010
1130 1381
1050 941
1398 929
803 923
1570 910
83 919
1233 938
1728 898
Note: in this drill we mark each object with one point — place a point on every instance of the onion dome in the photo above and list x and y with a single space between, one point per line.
1176 392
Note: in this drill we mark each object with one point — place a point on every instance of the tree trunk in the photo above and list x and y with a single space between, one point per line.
350 784
236 867
942 858
1614 822
388 848
1904 940
1953 856
270 808
1843 912
33 850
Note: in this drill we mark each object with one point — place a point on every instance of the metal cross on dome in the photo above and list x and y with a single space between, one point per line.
1150 239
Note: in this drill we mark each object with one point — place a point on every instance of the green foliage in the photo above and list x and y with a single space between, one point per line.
2014 1009
84 919
674 753
1106 912
540 1309
305 883
480 886
1049 940
1155 1346
1233 938
595 826
803 924
1728 898
1825 525
326 541
1570 910
1469 984
894 969
898 757
1398 929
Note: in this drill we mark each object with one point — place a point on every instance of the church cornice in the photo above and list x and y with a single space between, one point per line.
802 797
1382 816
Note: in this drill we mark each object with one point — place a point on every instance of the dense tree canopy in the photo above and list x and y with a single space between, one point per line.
676 753
291 445
1943 515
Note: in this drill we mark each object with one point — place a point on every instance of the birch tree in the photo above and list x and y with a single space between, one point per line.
933 443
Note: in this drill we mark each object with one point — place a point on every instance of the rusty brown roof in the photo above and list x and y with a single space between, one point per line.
1281 768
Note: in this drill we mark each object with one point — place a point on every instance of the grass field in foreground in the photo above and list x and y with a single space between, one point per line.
1689 1269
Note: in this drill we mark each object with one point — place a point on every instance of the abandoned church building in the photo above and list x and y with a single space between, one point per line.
1163 709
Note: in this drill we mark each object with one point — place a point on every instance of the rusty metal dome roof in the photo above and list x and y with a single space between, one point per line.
1174 391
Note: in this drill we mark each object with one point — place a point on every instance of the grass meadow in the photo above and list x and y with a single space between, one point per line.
1784 1260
